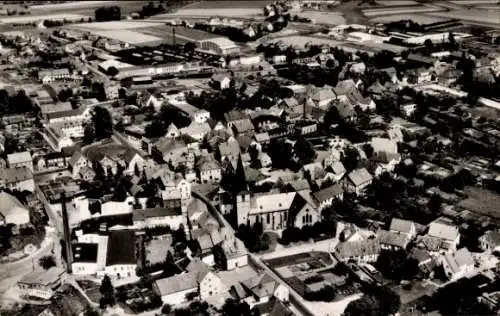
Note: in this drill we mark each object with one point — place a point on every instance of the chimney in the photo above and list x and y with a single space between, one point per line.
67 234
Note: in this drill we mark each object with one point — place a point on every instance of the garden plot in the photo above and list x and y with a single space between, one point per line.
399 10
301 41
474 16
127 36
324 17
118 25
418 18
208 12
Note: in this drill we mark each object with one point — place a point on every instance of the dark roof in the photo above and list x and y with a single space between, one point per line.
140 215
85 253
421 59
235 116
326 193
121 248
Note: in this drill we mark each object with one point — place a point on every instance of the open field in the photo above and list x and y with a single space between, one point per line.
70 5
208 12
36 18
418 18
399 10
127 36
301 41
396 2
324 17
474 2
229 4
475 16
489 7
118 25
482 202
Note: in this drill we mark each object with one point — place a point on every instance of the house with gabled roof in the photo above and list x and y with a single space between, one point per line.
403 227
359 251
490 241
173 290
457 264
357 180
446 232
325 197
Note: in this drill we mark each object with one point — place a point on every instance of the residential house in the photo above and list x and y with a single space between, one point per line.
457 264
86 173
40 284
223 80
179 151
359 251
20 179
446 233
403 227
196 130
337 169
490 241
407 109
357 180
321 97
380 144
210 284
209 170
230 150
392 241
346 91
243 127
77 162
20 159
233 254
172 131
385 162
263 287
325 197
173 290
12 211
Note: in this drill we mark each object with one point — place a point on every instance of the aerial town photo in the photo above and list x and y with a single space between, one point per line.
250 158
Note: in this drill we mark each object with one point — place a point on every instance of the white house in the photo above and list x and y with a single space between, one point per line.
403 227
490 241
326 196
20 179
20 159
458 263
40 284
210 284
447 233
359 251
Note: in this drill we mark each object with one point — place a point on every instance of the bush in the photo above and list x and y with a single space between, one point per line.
326 294
166 309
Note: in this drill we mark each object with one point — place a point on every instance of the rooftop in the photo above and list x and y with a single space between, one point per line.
121 248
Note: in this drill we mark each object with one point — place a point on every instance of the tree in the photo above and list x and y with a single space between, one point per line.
390 302
111 13
47 262
189 47
113 71
350 158
435 203
91 312
304 151
368 149
166 309
107 292
332 116
102 123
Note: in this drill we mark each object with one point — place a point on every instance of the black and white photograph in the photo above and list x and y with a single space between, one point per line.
250 158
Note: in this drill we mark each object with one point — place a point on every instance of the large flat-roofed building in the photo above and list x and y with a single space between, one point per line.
219 45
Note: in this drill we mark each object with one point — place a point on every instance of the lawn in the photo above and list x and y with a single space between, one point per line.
473 16
229 4
418 18
301 41
481 201
209 12
332 18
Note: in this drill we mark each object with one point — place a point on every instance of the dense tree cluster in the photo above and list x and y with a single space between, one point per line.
381 301
111 13
17 103
100 126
